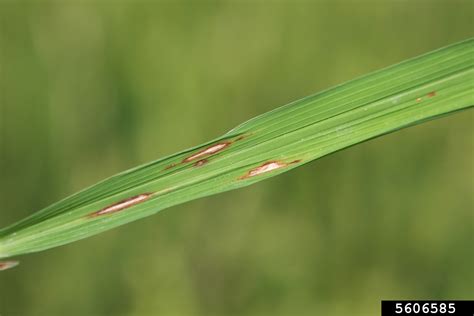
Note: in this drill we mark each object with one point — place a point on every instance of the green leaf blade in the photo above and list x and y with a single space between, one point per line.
409 93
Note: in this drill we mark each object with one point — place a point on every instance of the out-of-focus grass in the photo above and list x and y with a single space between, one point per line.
82 81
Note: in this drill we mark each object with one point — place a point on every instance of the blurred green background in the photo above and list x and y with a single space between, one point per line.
88 89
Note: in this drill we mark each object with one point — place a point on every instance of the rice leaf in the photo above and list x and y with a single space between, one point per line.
409 93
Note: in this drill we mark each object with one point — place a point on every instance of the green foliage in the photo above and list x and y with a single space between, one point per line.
409 93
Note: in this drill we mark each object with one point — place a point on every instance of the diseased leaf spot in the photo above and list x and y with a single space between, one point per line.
201 162
208 151
119 206
267 167
429 95
170 166
4 265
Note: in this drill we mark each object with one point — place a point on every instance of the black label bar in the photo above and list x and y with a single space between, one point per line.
421 308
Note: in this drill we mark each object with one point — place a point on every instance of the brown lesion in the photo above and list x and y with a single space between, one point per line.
122 205
267 167
209 151
200 163
4 265
431 94
170 166
428 95
201 156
